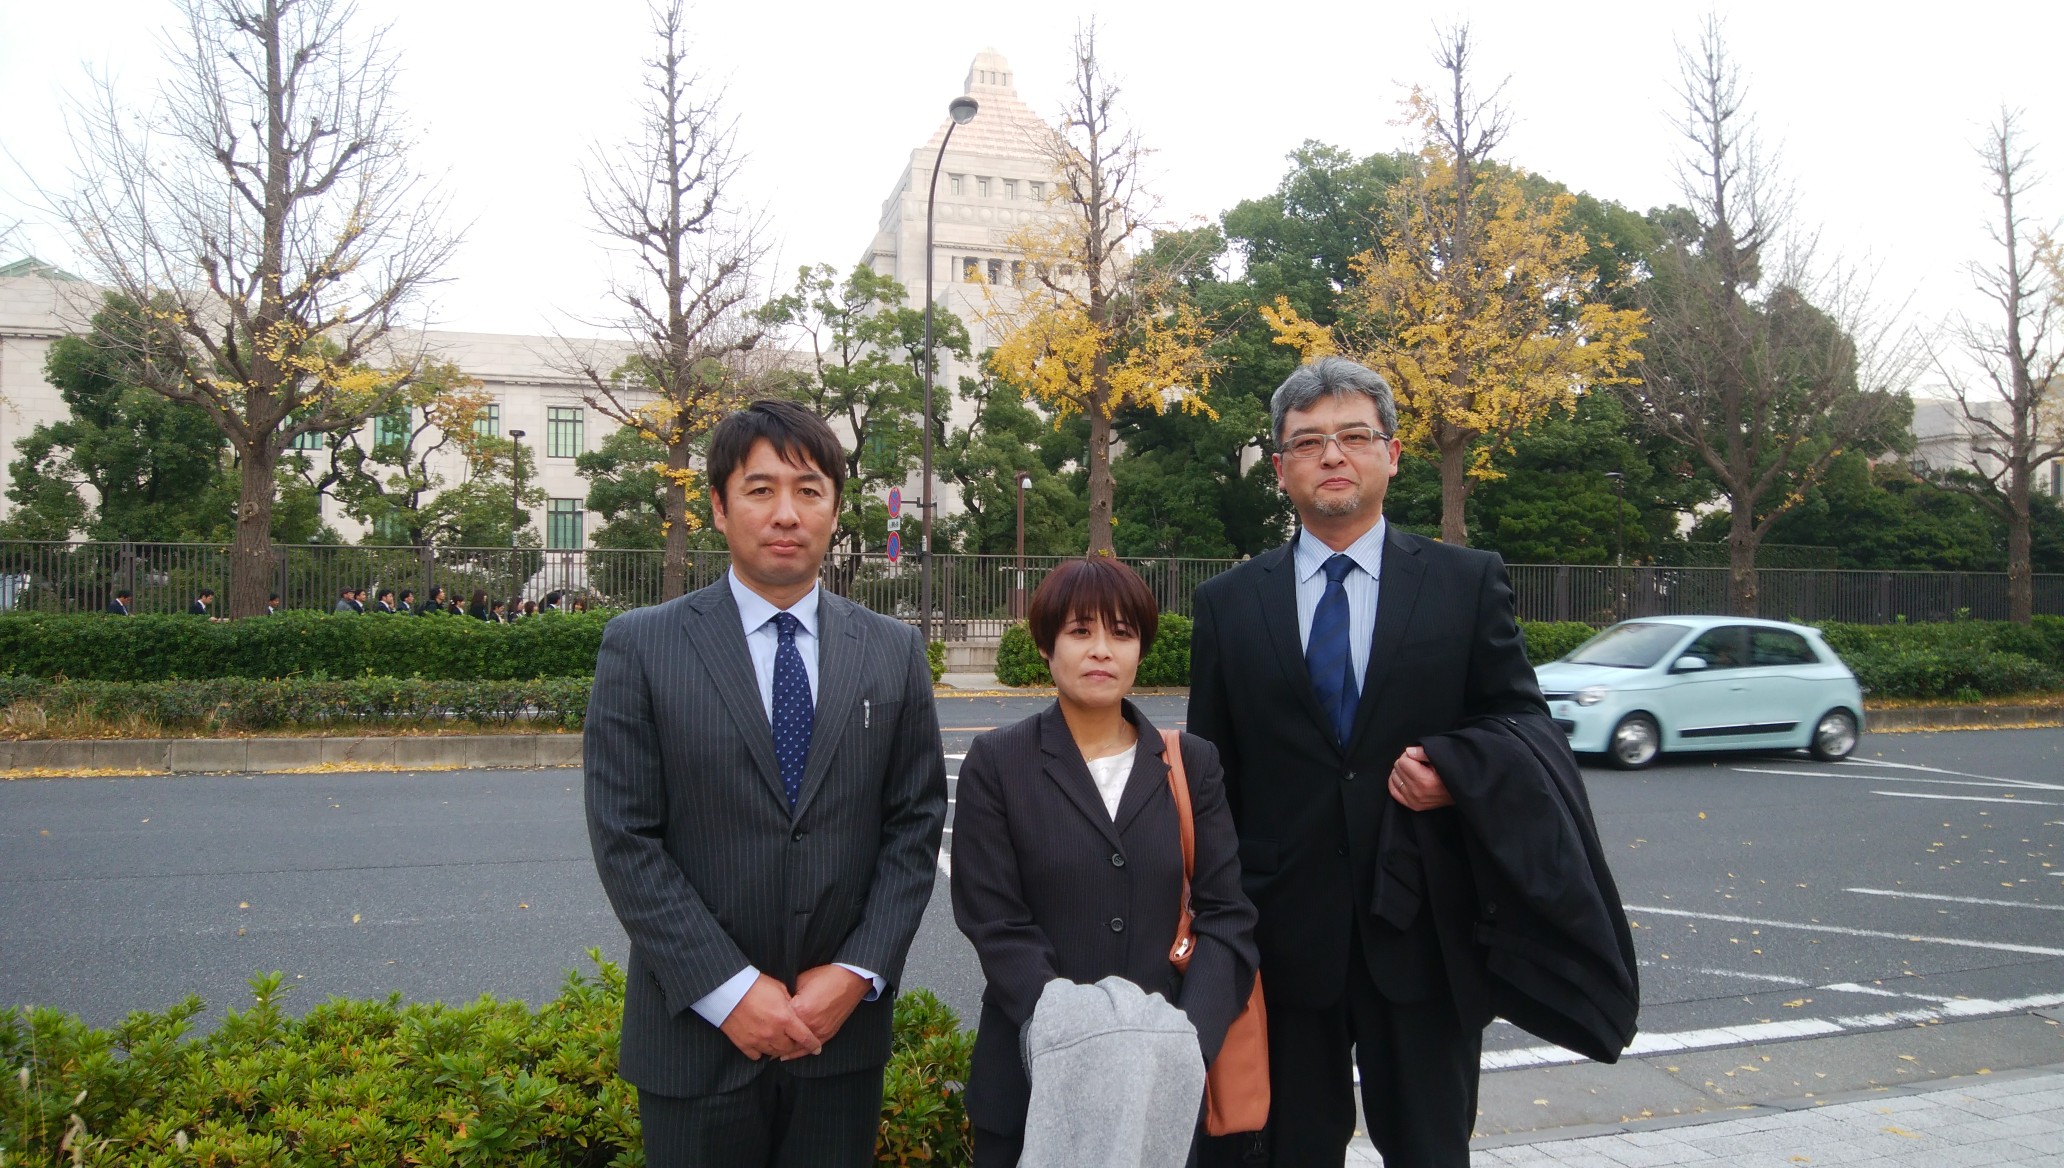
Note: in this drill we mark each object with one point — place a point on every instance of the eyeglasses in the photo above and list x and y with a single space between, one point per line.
1353 440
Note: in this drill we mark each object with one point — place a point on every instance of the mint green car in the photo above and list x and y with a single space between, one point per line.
1683 683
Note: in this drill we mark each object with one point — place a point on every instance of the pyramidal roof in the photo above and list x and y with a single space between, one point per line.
1005 125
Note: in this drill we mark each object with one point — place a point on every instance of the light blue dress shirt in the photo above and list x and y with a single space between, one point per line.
1360 584
763 641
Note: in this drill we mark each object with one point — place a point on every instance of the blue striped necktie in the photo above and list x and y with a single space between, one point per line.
794 712
1329 656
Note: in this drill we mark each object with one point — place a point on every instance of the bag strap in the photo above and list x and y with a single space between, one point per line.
1179 787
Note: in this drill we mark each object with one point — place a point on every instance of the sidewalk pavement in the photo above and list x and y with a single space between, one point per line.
2011 1120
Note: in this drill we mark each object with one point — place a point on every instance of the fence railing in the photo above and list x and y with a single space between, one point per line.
974 597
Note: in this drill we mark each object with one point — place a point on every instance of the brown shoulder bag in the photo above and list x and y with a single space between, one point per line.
1236 1089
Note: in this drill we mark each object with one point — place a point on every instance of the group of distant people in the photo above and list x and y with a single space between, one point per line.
390 603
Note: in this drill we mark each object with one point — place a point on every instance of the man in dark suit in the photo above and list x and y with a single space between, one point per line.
765 792
119 606
1315 670
201 601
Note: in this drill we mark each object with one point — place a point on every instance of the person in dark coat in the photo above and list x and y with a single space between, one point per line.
1067 857
434 603
383 601
272 604
119 606
406 606
201 601
479 609
1317 669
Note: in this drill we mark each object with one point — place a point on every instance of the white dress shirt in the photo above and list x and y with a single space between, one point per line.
1360 584
1110 774
763 641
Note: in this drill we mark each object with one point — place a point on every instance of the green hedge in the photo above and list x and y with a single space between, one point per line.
1968 660
388 1084
1018 661
92 646
245 704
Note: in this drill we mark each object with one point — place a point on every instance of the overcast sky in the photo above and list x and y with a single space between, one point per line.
1876 115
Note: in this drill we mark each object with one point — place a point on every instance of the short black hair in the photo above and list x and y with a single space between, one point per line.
407 592
205 592
799 437
272 596
123 594
1096 586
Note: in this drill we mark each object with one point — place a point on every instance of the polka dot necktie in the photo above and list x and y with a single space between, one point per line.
1328 656
794 712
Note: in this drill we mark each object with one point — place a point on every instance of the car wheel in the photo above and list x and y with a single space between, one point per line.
1635 742
1834 736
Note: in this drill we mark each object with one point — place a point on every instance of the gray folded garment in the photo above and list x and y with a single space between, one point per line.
1117 1078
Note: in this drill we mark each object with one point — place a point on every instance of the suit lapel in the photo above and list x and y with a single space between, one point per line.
1397 595
713 626
1278 586
839 662
1149 771
1065 768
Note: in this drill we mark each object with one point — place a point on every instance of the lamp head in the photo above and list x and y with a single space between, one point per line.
963 109
1024 482
515 433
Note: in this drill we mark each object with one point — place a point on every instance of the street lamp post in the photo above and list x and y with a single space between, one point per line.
515 509
1018 593
962 109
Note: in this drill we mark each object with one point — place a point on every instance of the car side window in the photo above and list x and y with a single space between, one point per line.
1721 648
1778 647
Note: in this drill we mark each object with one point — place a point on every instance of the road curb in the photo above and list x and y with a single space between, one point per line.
1961 717
257 755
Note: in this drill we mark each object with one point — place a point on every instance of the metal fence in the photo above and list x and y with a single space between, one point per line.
974 597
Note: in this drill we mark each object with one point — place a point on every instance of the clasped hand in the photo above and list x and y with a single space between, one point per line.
768 1022
1414 783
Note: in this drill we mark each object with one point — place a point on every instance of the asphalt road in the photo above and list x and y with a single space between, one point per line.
1774 897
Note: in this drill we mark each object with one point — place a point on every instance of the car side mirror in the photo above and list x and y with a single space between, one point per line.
1688 664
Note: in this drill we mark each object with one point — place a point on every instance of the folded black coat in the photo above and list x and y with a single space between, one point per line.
1529 917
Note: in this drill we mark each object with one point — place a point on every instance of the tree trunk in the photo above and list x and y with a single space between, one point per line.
1742 585
250 558
673 576
1454 488
1102 487
2020 577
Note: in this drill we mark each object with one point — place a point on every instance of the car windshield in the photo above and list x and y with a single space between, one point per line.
1636 645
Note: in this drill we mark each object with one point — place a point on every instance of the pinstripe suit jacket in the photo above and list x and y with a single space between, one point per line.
705 864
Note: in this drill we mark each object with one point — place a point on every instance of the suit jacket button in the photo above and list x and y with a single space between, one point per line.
796 836
1349 778
1117 861
1117 924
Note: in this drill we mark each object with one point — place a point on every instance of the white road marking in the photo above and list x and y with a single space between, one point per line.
1908 766
1953 899
1769 977
1978 781
1968 798
1850 987
2001 946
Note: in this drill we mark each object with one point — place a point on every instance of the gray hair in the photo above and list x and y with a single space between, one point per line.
1331 377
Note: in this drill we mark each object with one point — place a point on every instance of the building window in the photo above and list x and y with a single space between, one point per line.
982 187
564 437
488 424
563 526
1017 273
391 529
392 428
996 271
308 440
970 270
2057 479
1038 190
956 184
1010 188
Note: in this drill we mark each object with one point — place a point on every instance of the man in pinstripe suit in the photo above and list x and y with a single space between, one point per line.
765 792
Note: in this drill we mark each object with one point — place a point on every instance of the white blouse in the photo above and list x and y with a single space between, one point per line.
1110 775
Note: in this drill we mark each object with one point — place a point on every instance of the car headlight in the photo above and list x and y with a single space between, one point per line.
1591 695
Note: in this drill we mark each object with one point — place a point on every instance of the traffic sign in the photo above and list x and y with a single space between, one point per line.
895 523
895 547
895 502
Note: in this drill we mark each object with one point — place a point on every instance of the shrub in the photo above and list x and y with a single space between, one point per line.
247 704
1550 640
1966 660
1018 661
935 654
389 1083
92 646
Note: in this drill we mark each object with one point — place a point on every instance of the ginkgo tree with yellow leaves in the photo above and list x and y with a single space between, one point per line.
1477 306
262 217
1092 326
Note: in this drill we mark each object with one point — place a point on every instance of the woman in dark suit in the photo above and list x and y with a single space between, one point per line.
1067 859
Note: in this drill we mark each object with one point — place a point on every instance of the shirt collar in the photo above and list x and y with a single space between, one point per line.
755 610
1366 552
